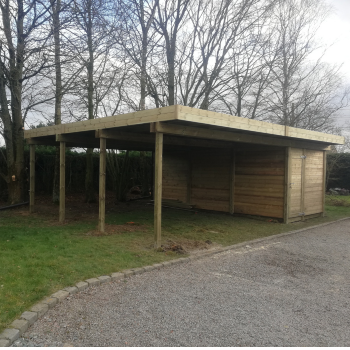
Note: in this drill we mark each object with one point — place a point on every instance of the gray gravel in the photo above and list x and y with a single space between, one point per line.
290 291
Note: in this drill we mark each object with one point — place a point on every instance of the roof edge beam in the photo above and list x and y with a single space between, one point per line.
190 131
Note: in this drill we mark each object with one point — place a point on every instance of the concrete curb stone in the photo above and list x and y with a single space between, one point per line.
50 302
117 276
19 326
93 281
138 270
104 279
11 334
71 290
30 316
157 266
4 342
60 295
149 268
82 285
128 273
40 309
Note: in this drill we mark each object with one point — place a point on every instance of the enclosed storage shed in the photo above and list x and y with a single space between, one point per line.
210 160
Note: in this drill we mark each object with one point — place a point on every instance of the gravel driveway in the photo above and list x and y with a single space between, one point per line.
290 291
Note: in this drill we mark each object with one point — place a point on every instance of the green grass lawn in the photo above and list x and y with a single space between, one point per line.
39 257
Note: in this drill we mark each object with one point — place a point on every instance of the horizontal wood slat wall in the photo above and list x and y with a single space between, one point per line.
175 173
205 171
204 178
211 179
259 182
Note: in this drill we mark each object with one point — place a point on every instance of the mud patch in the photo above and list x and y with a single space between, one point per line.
294 264
119 229
187 246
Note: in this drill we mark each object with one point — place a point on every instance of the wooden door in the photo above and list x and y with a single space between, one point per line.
307 182
313 182
295 206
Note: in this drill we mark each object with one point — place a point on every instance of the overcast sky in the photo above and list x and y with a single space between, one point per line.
336 32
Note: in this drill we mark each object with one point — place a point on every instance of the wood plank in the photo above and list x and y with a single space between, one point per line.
62 204
189 177
324 183
263 210
259 192
302 204
134 118
307 217
31 178
210 195
158 189
279 201
251 179
102 187
190 131
259 171
287 184
220 119
232 181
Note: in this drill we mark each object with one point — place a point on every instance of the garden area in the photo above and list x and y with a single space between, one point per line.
39 256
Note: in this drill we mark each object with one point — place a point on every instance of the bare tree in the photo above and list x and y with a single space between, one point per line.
168 22
302 90
216 54
93 42
24 37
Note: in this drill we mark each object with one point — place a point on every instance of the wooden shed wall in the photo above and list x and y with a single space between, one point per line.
259 182
314 184
176 168
202 177
307 182
210 179
198 176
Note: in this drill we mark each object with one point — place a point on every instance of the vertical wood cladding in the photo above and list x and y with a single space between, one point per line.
307 183
259 182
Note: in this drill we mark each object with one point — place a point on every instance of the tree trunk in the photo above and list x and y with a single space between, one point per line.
90 196
56 8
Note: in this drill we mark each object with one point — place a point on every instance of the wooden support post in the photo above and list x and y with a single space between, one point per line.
62 209
287 184
153 165
31 178
158 189
303 178
324 183
189 178
102 187
232 181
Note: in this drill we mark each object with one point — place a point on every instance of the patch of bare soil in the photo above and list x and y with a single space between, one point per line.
119 229
76 209
187 246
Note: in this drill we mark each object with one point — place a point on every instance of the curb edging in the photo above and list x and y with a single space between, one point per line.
19 326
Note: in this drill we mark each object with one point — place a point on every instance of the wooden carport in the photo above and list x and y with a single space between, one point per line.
242 154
